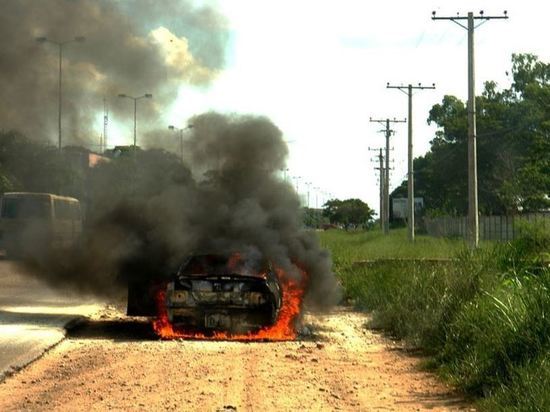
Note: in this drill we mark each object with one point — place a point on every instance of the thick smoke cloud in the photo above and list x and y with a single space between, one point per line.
132 47
147 214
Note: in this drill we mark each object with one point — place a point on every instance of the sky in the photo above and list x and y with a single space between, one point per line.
318 70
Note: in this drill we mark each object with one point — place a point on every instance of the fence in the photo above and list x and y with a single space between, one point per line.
502 228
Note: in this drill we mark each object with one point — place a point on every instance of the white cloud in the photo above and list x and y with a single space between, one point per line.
319 70
179 58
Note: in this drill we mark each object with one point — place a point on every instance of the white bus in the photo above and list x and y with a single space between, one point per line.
34 223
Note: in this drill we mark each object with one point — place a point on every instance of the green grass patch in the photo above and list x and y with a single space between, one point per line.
347 247
483 316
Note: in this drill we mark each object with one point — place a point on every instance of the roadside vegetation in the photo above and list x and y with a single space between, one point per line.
482 316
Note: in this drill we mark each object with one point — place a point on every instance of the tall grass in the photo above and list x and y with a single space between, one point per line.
483 316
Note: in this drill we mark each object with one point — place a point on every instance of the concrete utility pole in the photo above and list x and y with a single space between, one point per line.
388 132
380 168
410 172
473 215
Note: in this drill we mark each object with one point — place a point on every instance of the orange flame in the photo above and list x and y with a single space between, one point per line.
283 329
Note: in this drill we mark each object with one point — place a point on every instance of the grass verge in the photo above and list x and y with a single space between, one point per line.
483 316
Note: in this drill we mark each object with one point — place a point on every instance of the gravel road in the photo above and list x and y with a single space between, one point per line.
116 364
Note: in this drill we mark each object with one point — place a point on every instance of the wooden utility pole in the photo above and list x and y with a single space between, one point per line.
388 132
410 172
473 215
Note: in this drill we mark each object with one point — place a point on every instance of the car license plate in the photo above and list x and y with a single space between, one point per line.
217 321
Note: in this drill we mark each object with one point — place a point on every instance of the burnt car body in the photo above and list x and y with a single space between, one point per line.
222 293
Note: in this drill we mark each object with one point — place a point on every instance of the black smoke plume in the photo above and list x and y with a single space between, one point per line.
132 47
148 212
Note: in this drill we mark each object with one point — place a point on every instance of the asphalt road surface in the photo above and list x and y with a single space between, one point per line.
33 316
116 363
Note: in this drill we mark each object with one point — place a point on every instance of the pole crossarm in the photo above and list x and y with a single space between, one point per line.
405 88
481 16
483 19
383 122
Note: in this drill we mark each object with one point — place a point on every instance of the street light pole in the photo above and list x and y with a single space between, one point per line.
59 96
180 130
285 171
135 123
317 197
135 99
59 87
297 183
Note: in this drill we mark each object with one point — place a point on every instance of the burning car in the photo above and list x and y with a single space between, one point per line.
229 293
213 293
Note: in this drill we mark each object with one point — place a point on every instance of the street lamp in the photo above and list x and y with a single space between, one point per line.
296 180
78 39
180 130
317 197
308 184
135 99
285 171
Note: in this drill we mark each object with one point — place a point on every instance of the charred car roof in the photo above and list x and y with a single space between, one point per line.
224 264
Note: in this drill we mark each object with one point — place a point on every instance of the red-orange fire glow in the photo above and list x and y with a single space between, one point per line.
283 329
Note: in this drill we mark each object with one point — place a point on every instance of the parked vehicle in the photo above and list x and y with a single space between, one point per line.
33 223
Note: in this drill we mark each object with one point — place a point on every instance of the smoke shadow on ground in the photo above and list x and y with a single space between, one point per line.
121 330
132 330
34 319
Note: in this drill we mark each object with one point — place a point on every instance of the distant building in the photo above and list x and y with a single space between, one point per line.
400 209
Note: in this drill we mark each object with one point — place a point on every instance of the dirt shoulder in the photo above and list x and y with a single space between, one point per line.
115 364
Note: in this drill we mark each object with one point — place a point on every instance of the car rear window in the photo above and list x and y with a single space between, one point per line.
221 265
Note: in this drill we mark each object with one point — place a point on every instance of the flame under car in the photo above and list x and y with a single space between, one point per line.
222 293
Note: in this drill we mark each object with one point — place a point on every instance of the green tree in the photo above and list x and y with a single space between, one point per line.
348 212
26 165
513 147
